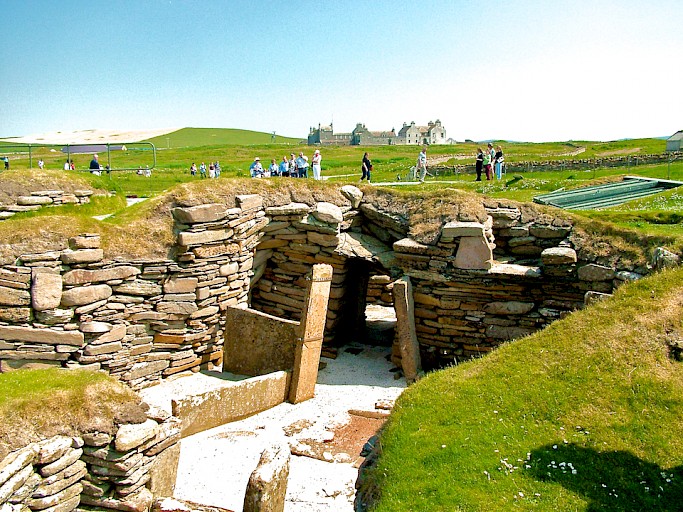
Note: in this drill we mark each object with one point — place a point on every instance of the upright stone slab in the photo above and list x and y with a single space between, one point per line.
267 487
309 345
405 326
46 290
474 253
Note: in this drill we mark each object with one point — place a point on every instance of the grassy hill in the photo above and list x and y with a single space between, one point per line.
584 415
194 137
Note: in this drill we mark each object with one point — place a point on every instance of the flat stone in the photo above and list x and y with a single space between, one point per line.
188 238
33 200
95 327
181 285
410 246
328 212
16 461
132 435
177 308
41 256
323 239
249 201
593 272
53 448
663 258
229 269
509 308
70 257
117 333
54 316
14 297
82 276
549 231
591 297
353 194
474 253
15 315
139 370
501 332
288 209
85 241
65 461
136 502
558 256
139 287
203 213
46 291
46 336
456 229
82 295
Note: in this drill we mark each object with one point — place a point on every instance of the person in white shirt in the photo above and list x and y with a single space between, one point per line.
256 169
317 159
422 164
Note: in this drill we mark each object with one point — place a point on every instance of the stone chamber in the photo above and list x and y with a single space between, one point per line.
237 295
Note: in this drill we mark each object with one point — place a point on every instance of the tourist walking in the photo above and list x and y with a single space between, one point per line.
422 164
315 164
366 167
498 162
6 160
479 163
284 166
202 170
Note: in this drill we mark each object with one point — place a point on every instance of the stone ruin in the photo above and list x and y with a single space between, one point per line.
263 291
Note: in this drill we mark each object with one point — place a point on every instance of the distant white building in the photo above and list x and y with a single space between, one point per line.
412 134
674 143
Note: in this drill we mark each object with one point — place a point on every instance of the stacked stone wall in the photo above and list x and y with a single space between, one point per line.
40 198
93 471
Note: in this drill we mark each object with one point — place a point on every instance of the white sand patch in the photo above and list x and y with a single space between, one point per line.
90 136
215 465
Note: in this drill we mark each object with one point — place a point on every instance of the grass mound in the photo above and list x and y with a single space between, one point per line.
14 183
584 415
35 404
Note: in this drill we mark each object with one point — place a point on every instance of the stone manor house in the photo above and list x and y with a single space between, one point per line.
433 133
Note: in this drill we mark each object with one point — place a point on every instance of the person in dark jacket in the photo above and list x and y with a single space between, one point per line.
366 167
479 163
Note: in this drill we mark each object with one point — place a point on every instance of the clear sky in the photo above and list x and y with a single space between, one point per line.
528 70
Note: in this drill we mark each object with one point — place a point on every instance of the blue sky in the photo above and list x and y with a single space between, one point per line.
523 70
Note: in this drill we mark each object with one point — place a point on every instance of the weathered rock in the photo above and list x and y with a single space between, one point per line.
267 485
137 502
187 238
662 258
509 308
95 327
63 462
16 461
177 308
202 213
457 229
53 448
548 231
84 241
54 316
288 209
46 290
15 315
14 297
133 435
474 252
47 336
249 201
591 297
33 200
558 256
83 276
593 272
181 285
70 257
353 194
139 287
328 212
82 295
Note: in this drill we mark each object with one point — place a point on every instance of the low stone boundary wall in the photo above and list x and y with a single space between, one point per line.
95 471
41 198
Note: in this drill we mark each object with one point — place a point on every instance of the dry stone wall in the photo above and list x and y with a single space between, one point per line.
94 471
477 285
40 198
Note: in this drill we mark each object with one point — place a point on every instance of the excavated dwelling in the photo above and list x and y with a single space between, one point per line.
237 290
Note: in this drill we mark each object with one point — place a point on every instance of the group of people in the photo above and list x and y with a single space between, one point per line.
214 170
490 161
292 167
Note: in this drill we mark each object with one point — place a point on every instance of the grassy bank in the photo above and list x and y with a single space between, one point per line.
585 415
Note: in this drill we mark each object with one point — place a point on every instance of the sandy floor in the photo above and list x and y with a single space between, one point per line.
215 465
90 136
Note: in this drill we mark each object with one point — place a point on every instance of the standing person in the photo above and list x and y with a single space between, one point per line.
273 168
212 170
217 169
317 160
292 166
284 166
366 167
72 165
193 169
487 165
422 164
6 160
95 165
479 163
492 154
256 169
67 166
302 166
498 160
41 164
202 170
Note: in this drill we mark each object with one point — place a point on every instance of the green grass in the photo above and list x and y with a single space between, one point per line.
585 415
193 137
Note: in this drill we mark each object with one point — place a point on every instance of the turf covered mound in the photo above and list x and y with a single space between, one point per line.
585 415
